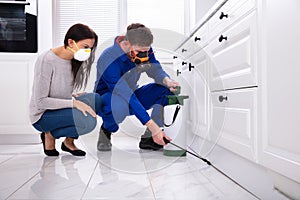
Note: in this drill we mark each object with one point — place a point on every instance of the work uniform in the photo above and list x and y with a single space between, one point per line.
117 78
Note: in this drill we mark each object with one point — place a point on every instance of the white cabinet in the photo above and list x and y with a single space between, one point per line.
234 59
200 106
251 104
15 85
233 124
279 87
232 55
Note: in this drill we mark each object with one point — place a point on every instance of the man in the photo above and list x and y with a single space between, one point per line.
118 69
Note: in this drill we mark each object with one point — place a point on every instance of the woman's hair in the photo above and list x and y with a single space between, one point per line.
139 34
81 69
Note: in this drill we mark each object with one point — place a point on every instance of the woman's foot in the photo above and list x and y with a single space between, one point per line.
49 144
69 146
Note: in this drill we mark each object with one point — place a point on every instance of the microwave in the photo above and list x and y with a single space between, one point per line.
18 26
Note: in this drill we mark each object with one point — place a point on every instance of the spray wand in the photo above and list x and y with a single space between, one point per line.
208 163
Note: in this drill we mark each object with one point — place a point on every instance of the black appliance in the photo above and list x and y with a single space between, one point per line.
18 26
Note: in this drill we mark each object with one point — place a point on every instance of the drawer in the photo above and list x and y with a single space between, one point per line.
228 14
201 36
234 59
234 115
196 42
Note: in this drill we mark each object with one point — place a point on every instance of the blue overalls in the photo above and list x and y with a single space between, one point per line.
116 82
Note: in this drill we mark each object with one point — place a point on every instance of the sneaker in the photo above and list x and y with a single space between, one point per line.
104 143
148 143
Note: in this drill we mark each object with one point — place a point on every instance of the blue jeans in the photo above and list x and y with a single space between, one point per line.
151 96
70 122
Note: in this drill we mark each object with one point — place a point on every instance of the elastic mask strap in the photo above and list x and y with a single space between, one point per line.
71 49
75 44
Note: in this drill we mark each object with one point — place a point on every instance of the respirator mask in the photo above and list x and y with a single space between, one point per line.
141 60
81 54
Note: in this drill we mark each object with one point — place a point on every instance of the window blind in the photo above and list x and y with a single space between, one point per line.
164 14
102 16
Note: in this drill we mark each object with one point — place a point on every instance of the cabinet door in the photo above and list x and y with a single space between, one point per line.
198 66
234 121
15 84
233 55
279 123
184 79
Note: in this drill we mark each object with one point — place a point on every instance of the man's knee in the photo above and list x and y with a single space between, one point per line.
90 123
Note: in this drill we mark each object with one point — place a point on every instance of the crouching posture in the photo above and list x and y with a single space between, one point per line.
58 72
119 68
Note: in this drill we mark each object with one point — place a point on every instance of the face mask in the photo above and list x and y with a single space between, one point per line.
81 54
139 58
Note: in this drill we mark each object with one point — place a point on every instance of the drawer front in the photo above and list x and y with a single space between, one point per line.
228 14
234 59
200 37
233 121
195 43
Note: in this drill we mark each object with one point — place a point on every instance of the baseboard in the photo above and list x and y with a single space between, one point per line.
19 139
250 175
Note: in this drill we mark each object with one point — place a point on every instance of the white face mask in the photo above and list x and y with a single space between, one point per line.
81 54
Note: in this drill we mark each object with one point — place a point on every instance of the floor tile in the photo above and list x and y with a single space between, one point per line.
17 171
63 177
126 173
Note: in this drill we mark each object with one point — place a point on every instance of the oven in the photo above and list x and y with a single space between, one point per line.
18 26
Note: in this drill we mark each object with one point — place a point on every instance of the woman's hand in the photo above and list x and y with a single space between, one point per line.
157 133
84 108
78 94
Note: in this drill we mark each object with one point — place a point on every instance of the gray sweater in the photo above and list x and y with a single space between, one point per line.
52 85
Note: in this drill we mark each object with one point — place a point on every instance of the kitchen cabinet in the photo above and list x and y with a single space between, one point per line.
278 98
16 80
249 102
233 54
198 67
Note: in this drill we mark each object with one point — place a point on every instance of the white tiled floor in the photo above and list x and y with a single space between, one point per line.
124 173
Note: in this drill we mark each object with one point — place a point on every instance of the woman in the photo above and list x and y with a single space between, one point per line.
58 73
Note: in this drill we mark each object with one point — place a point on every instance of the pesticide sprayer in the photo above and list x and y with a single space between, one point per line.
174 123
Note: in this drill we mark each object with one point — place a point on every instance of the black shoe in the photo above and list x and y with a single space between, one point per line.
104 143
52 152
76 152
148 143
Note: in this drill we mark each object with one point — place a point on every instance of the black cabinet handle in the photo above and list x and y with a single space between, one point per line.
191 67
183 50
197 39
223 15
222 98
178 72
174 57
183 63
221 38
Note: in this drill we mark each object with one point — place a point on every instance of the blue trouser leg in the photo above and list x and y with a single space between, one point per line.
116 109
157 100
69 122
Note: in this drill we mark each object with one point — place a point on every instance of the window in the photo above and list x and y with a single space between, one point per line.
102 16
163 14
